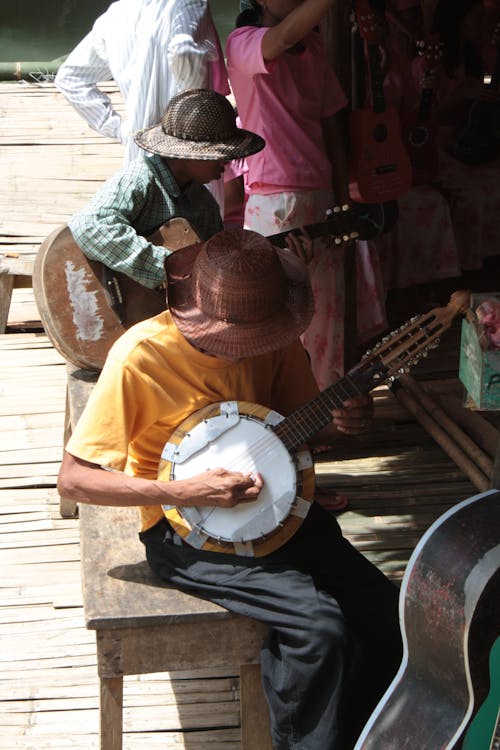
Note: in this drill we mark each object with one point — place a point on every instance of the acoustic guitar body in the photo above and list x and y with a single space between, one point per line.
379 166
420 142
450 612
83 306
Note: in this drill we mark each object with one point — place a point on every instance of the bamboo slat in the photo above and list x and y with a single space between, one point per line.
59 158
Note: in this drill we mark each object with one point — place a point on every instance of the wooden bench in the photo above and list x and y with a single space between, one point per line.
143 625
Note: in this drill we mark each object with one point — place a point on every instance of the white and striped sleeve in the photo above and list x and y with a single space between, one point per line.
192 45
77 80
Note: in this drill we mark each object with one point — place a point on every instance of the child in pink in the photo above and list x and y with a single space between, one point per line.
286 90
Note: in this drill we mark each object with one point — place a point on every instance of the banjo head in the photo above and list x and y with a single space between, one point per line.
237 436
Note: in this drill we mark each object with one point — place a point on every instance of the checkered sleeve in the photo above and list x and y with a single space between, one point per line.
112 228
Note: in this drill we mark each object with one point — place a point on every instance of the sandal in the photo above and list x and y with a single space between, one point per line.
331 500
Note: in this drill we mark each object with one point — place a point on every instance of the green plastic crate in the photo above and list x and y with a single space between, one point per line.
479 370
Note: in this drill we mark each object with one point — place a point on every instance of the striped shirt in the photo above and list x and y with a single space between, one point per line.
132 204
153 49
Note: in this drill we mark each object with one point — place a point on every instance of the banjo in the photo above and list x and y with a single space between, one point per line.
250 438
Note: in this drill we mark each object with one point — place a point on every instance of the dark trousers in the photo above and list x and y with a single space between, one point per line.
334 642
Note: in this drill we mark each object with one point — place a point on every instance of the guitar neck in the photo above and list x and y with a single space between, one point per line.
313 230
424 109
358 78
306 421
376 78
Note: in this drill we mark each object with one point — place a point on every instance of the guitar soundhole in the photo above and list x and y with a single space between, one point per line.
419 136
380 133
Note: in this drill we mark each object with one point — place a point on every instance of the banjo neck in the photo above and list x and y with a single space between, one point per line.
390 358
303 423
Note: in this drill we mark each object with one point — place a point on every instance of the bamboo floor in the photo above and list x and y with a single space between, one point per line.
51 163
397 478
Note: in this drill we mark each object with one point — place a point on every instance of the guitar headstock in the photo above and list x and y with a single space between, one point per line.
343 224
369 22
364 220
432 50
403 348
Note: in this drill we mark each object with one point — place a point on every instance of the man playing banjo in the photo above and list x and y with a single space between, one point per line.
230 337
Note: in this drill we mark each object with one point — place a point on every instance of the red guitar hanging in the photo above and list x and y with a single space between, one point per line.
379 166
419 134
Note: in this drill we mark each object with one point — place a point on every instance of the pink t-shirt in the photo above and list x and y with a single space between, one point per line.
284 101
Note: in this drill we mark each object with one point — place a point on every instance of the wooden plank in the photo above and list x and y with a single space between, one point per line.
220 739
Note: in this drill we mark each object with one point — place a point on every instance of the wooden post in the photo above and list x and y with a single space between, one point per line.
111 713
6 286
254 712
462 460
336 29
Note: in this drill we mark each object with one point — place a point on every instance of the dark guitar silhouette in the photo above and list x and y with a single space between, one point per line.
450 612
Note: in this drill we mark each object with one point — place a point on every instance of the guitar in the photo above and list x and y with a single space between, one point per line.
418 132
477 139
450 617
250 438
484 731
85 307
379 166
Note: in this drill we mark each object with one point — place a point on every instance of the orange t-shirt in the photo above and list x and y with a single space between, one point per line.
153 379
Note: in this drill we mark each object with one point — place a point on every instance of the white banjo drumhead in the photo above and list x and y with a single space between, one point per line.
249 447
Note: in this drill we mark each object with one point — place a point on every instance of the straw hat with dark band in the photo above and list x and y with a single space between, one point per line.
236 295
199 124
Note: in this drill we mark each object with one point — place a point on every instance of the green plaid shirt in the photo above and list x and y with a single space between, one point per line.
131 205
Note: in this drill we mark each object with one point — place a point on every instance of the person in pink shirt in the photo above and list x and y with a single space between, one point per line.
287 92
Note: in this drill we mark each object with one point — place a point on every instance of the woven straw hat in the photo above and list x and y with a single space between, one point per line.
199 124
236 295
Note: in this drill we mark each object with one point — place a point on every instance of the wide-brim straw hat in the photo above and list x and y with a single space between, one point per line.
236 295
199 124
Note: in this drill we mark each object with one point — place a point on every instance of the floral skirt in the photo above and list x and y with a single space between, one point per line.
422 247
324 338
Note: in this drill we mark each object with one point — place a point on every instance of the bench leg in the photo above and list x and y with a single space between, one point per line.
111 713
255 726
6 286
67 508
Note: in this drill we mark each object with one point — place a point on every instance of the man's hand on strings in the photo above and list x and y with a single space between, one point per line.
221 488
